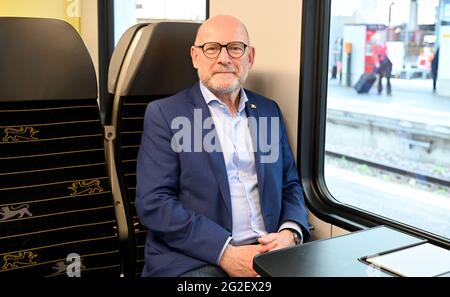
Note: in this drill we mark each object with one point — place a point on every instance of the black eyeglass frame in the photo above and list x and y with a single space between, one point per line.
223 46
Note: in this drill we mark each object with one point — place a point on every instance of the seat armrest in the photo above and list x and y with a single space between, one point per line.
119 208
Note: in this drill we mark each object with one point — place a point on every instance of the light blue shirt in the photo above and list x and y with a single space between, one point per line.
238 152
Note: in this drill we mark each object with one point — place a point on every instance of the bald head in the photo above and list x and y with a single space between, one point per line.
223 74
224 27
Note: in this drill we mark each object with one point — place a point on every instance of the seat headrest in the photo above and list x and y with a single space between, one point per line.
118 55
43 59
161 62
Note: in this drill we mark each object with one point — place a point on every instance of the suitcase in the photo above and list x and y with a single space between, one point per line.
365 83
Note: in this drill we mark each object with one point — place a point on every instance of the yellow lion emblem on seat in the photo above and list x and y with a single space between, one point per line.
17 134
21 259
85 186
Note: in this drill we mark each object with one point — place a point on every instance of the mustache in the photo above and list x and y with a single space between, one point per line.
225 69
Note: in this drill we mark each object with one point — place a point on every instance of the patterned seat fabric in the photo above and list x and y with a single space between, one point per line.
56 207
55 197
128 140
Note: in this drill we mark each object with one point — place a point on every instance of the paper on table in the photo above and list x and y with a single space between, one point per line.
421 260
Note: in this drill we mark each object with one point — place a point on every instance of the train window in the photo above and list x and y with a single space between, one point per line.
387 141
128 13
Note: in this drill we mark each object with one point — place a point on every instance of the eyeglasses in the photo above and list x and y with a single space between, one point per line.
212 50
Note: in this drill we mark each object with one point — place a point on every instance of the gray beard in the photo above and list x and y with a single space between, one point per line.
222 91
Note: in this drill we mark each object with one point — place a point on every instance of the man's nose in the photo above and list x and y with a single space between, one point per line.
224 57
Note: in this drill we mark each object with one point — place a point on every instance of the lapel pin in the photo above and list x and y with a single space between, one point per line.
253 106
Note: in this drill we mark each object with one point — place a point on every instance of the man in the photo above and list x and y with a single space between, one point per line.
209 212
383 67
435 68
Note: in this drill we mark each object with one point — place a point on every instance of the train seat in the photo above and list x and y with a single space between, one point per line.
155 65
57 214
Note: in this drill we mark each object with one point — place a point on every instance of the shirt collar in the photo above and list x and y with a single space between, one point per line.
210 97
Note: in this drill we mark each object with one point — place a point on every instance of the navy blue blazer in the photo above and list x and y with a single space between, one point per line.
183 198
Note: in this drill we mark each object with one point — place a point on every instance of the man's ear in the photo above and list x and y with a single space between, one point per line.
194 56
251 56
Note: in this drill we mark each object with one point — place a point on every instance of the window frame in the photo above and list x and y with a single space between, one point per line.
316 19
105 49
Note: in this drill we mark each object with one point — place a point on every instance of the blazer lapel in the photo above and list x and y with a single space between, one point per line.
216 157
251 109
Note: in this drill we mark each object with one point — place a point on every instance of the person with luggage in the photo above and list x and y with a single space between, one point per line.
383 67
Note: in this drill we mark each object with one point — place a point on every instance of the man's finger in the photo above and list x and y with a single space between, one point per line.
267 247
266 238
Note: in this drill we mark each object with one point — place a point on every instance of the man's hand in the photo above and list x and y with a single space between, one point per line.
238 260
275 241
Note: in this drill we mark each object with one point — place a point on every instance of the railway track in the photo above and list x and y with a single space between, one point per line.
393 169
